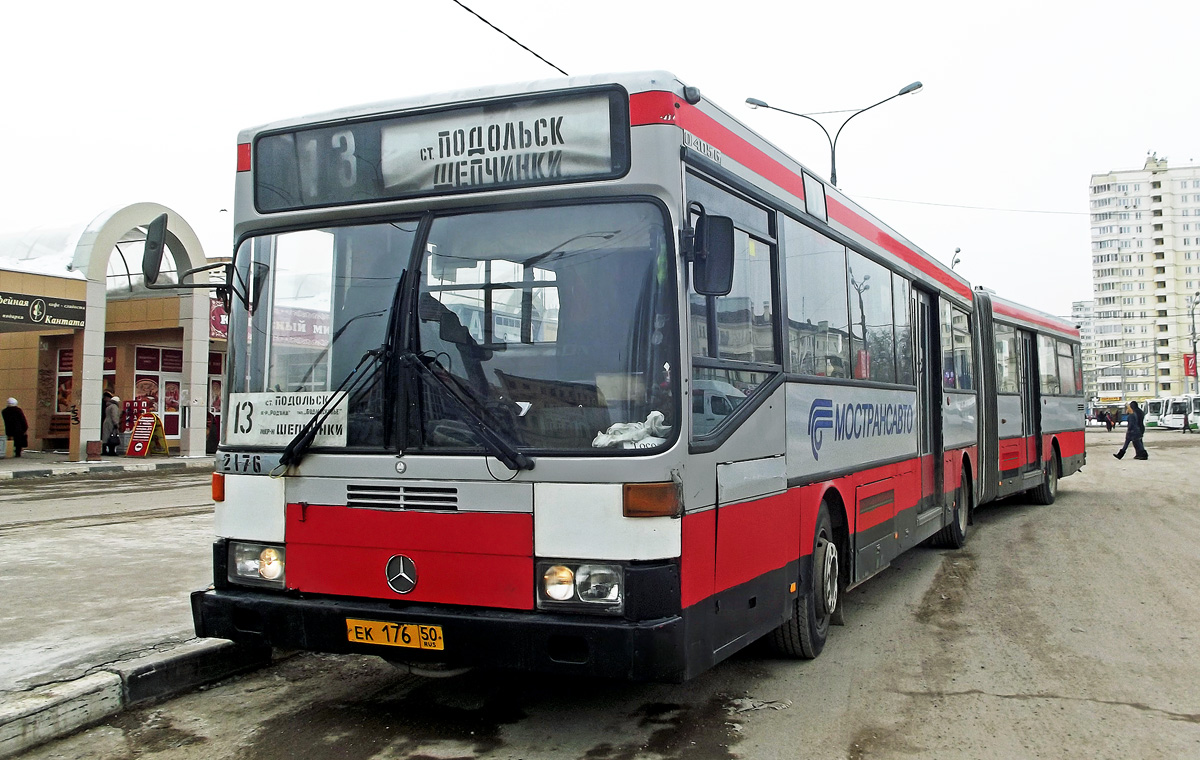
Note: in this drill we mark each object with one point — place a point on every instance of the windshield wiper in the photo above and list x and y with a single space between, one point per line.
298 447
504 451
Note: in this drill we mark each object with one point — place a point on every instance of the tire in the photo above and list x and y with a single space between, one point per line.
803 634
954 535
1047 492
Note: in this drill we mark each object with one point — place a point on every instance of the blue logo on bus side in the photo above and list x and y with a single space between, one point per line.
820 418
856 420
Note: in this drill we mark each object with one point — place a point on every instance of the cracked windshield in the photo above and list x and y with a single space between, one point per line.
554 328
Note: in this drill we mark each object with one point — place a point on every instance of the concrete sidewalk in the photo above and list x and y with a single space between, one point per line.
110 678
45 464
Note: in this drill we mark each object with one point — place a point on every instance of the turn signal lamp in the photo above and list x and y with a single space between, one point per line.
651 500
218 486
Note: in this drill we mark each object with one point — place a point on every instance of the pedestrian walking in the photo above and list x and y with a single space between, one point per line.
1187 427
1109 420
110 427
16 427
1135 428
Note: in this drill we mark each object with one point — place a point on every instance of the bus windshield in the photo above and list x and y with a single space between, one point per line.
551 326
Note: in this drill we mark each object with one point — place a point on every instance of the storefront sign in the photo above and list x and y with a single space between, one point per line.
20 309
172 360
148 437
274 419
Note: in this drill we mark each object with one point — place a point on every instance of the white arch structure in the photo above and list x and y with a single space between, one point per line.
95 246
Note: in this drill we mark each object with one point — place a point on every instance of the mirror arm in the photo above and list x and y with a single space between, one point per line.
687 236
225 291
188 273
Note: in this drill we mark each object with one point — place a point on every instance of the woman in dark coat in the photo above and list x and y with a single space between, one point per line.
1135 428
16 427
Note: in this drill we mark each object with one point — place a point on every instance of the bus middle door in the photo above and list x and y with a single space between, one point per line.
929 409
1030 389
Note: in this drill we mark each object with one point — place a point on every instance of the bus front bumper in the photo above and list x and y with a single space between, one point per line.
534 641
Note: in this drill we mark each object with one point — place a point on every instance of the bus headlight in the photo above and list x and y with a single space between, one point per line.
598 584
257 564
558 582
582 586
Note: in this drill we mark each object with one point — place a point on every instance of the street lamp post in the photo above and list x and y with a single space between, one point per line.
756 103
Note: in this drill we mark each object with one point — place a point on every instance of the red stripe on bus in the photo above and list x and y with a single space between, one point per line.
1015 312
658 107
720 552
745 550
1070 443
851 219
467 558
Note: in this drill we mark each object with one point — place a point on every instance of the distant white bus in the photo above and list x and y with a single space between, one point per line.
1175 409
1154 410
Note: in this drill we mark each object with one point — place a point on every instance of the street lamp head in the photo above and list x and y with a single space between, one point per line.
914 87
756 103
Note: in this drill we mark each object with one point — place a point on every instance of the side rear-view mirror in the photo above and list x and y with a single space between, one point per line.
156 241
712 265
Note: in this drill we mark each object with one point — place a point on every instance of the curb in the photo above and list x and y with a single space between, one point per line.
202 463
49 712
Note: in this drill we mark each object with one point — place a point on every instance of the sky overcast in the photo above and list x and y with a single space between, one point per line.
116 103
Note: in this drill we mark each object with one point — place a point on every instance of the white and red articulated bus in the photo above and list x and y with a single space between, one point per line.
586 377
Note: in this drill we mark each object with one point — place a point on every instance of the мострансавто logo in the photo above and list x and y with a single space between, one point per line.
856 421
820 419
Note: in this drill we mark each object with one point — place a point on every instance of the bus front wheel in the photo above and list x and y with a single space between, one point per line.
803 634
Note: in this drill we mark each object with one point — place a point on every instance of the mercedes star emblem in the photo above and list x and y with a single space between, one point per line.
401 574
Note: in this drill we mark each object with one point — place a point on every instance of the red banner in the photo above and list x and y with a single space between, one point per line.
1189 365
218 320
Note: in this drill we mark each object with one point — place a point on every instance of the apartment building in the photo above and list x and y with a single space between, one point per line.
1145 230
1081 317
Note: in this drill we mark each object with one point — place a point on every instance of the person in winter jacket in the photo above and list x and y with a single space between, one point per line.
1135 428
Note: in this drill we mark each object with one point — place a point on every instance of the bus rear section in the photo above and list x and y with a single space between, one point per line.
1033 408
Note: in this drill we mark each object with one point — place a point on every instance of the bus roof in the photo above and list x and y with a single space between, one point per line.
660 97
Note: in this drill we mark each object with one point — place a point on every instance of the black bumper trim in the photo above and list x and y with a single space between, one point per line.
611 648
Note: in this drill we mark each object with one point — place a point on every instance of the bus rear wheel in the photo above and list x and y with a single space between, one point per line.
803 634
1047 492
954 535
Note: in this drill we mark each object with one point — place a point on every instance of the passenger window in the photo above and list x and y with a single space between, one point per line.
1048 365
818 320
1006 359
957 367
729 331
872 339
901 304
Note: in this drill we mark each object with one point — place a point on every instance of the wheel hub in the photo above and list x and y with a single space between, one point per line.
827 559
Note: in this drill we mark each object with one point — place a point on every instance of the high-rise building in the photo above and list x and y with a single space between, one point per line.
1081 316
1145 265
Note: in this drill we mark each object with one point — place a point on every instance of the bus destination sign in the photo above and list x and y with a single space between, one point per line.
508 143
274 419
